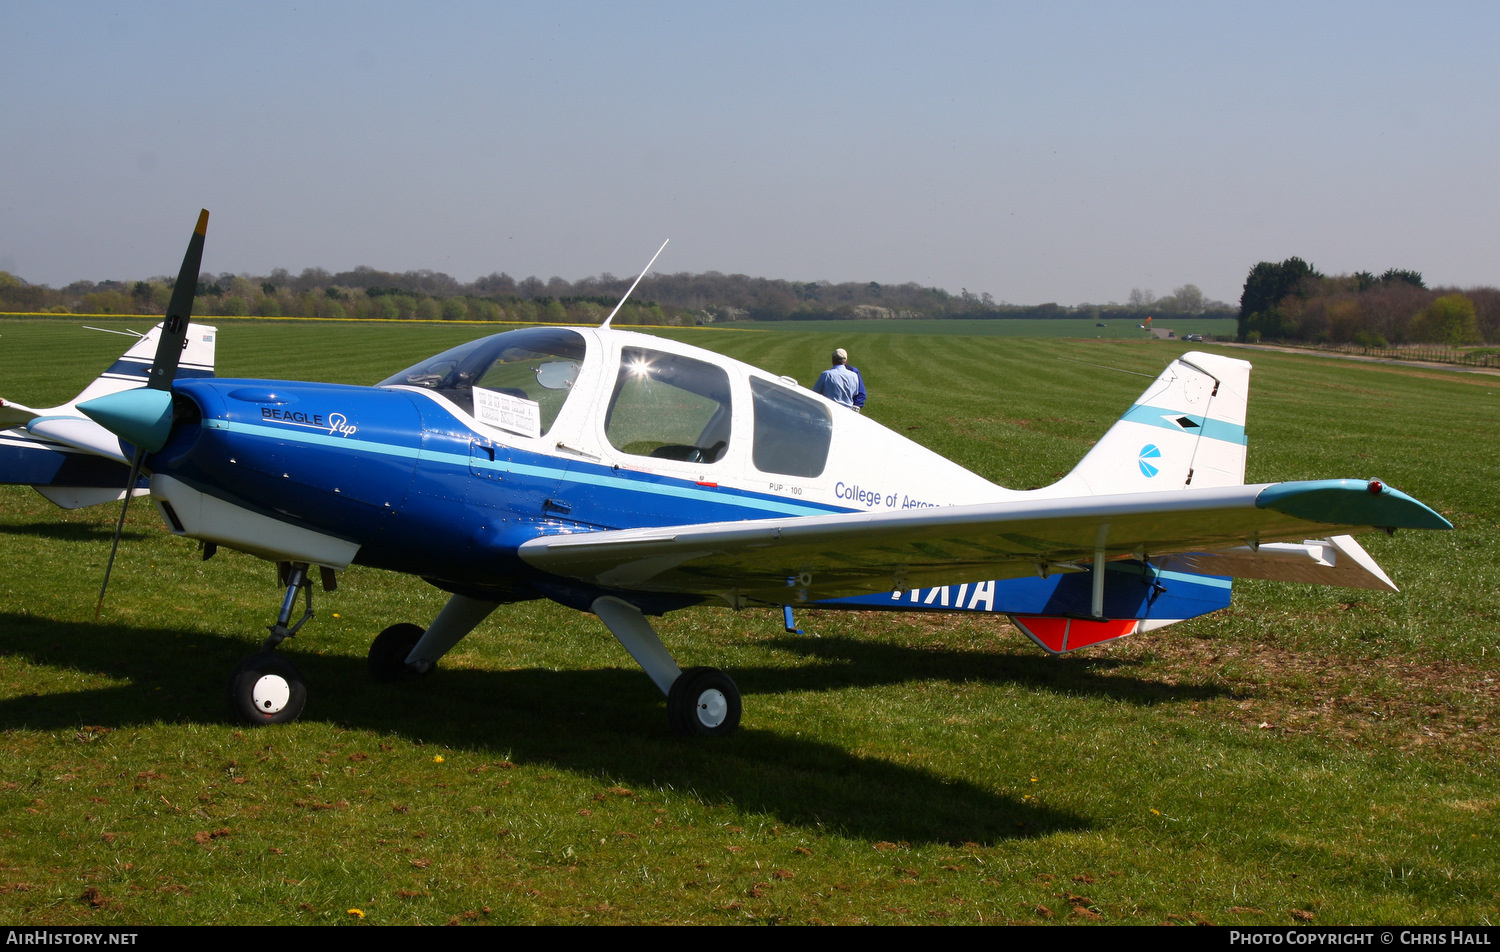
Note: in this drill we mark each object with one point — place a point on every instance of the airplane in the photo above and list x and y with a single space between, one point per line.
68 458
626 476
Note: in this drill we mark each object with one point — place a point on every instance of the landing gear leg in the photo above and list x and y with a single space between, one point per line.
295 577
405 651
266 688
702 702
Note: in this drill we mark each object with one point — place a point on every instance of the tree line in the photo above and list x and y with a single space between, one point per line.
682 298
1292 301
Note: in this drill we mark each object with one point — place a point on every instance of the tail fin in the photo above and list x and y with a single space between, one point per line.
126 373
1187 429
131 369
69 458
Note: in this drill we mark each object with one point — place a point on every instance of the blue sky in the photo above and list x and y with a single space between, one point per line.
1062 152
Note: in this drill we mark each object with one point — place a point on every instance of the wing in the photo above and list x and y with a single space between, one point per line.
783 561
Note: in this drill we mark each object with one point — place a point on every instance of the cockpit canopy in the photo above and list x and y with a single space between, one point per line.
521 377
662 404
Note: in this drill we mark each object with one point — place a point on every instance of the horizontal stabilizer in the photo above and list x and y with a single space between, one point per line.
80 434
14 414
1340 561
79 497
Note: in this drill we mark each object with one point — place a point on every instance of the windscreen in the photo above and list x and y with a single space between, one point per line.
518 380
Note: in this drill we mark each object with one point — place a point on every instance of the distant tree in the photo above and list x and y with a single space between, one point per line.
1189 299
494 283
106 302
1448 320
1142 298
1393 275
1267 288
455 309
1487 310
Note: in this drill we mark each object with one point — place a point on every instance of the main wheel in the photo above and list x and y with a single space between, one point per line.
266 688
703 702
389 650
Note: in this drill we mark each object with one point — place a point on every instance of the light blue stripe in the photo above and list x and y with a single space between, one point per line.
1187 578
1209 581
728 496
1207 426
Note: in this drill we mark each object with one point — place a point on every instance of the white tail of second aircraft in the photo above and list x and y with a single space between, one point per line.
69 458
1187 429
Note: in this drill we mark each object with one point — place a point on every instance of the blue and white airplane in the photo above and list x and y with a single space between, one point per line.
627 476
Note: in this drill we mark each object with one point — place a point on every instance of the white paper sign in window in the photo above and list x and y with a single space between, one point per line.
516 414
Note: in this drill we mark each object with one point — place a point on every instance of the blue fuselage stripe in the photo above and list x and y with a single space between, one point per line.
576 473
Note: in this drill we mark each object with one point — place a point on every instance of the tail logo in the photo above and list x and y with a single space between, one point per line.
1149 452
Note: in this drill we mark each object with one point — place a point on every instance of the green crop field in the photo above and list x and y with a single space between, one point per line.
1309 755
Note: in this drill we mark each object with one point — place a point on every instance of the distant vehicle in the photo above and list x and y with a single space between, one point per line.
1196 338
1101 324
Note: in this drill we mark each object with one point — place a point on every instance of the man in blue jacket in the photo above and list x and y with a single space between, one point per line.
841 383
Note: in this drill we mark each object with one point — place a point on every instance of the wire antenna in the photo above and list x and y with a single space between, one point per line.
633 284
1133 373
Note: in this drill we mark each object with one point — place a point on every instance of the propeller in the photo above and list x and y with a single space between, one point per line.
144 416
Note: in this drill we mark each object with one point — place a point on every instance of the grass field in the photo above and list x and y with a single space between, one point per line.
1307 756
1083 329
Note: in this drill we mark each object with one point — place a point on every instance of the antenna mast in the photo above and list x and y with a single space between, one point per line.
633 284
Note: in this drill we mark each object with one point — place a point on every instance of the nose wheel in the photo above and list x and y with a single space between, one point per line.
703 702
266 688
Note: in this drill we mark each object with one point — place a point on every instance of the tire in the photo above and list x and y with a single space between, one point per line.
388 654
266 688
703 702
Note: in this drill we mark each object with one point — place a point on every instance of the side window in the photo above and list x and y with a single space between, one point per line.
792 431
669 407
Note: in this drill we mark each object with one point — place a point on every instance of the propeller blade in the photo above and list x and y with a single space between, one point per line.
149 418
179 312
114 545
